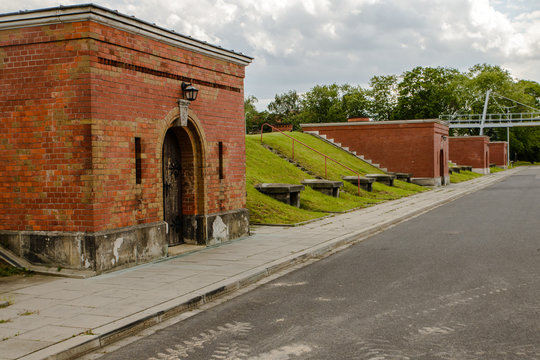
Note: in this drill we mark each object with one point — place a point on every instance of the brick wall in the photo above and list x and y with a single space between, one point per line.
74 96
470 150
401 146
498 153
45 134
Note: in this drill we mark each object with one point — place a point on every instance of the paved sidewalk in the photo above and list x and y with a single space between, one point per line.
59 318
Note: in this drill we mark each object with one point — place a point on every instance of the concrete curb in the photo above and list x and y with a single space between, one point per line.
77 346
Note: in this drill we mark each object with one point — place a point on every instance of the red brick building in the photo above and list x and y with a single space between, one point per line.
471 151
102 162
413 146
498 153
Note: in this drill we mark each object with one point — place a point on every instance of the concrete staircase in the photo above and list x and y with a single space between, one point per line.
344 148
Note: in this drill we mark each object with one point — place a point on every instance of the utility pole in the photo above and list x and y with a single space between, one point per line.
508 147
484 113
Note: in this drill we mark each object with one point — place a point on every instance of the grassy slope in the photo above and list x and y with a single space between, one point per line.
315 162
264 166
525 163
463 176
495 169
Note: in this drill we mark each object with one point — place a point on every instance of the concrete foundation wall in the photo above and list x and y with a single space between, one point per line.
431 181
100 251
119 248
483 171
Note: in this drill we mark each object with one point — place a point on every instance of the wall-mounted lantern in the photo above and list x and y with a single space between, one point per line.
189 93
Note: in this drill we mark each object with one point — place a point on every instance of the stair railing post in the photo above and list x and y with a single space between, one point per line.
325 173
293 149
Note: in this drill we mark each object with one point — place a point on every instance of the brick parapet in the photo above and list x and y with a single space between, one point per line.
498 153
470 150
401 146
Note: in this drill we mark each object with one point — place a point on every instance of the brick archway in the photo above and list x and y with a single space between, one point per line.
441 166
192 146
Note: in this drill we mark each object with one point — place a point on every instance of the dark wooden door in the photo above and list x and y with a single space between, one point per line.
441 166
172 179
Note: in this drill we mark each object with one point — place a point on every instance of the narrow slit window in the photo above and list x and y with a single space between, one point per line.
220 145
138 163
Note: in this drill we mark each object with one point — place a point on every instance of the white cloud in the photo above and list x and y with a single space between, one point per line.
300 43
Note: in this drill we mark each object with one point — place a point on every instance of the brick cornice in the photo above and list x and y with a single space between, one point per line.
98 14
367 123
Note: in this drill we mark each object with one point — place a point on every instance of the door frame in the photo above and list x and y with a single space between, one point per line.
193 149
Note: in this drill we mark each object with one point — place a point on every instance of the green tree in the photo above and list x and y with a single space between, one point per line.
254 118
506 96
383 96
323 104
525 143
426 93
250 113
333 103
286 106
354 101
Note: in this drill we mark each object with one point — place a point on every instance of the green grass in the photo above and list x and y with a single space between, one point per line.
463 176
8 270
28 313
495 169
524 163
316 164
264 166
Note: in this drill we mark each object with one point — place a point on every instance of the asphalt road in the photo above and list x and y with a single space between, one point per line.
459 282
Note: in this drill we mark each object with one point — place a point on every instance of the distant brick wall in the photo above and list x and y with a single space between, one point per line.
399 146
282 127
74 96
358 119
498 153
470 150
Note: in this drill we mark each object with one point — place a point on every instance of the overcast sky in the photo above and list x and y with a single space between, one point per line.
301 43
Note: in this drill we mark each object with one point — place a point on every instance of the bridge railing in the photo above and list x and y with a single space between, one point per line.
326 157
496 117
492 120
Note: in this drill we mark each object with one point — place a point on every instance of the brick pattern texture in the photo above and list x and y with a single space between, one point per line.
498 153
399 147
470 150
74 96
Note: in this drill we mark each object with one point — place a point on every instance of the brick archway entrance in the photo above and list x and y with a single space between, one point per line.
183 183
441 166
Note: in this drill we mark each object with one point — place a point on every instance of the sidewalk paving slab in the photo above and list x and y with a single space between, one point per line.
69 317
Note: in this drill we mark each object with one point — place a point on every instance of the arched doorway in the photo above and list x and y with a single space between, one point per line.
441 165
183 178
172 188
